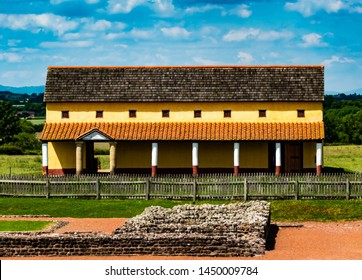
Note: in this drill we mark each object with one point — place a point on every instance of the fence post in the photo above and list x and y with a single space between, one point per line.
245 190
147 190
98 188
47 187
348 189
296 186
194 185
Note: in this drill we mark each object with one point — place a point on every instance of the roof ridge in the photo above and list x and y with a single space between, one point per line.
183 66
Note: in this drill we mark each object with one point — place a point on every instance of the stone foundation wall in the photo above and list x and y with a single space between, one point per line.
205 230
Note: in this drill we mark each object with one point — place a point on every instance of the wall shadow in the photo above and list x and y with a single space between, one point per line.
271 239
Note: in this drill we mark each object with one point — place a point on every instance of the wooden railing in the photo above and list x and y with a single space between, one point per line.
208 186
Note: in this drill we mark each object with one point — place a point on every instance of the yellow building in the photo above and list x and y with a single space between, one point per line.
189 119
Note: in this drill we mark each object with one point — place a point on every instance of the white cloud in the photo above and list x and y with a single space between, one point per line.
37 22
312 40
242 11
10 57
253 33
336 59
274 35
241 34
164 7
13 43
141 33
175 32
66 45
310 7
203 9
101 25
245 58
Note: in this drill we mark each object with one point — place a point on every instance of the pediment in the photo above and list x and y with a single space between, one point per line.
95 135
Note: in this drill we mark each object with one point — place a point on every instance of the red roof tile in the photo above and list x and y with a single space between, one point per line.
186 131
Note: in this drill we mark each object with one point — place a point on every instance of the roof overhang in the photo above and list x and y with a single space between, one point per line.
187 131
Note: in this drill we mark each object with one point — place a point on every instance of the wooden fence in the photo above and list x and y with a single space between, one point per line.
214 186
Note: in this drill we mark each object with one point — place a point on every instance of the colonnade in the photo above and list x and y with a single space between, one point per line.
195 157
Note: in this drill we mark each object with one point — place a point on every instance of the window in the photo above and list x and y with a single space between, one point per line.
65 114
132 113
262 113
301 113
99 114
197 114
165 113
227 113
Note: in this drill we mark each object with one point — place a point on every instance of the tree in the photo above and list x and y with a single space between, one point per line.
9 122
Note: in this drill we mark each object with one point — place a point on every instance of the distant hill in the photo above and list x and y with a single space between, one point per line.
357 91
22 90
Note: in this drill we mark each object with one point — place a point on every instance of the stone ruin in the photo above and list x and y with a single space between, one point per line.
231 230
238 229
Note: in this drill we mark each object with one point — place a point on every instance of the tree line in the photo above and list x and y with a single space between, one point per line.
17 135
343 119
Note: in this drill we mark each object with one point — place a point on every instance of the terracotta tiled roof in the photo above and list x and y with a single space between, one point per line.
186 131
184 84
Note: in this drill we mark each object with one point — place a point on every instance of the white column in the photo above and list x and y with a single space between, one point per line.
44 150
79 157
154 158
195 158
319 158
236 157
278 158
112 157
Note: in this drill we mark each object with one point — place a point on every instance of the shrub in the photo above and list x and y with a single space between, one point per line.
9 149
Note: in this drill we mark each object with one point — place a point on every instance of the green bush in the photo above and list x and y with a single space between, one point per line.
101 152
9 149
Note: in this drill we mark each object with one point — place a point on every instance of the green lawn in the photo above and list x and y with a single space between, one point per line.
282 210
23 225
37 120
348 157
20 165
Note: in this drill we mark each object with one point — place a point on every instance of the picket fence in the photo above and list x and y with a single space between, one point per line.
206 186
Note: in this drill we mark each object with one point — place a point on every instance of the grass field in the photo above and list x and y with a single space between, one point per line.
336 158
282 210
37 120
347 157
20 165
23 225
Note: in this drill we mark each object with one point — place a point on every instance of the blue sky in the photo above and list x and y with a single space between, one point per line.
36 34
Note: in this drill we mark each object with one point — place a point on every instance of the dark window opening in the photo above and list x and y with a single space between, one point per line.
262 113
301 113
197 114
227 113
165 113
132 113
99 114
65 114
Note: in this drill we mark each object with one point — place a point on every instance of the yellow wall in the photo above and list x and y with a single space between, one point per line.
179 154
133 155
254 155
309 154
183 111
61 155
216 154
174 154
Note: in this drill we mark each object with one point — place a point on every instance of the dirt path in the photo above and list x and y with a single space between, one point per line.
304 241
